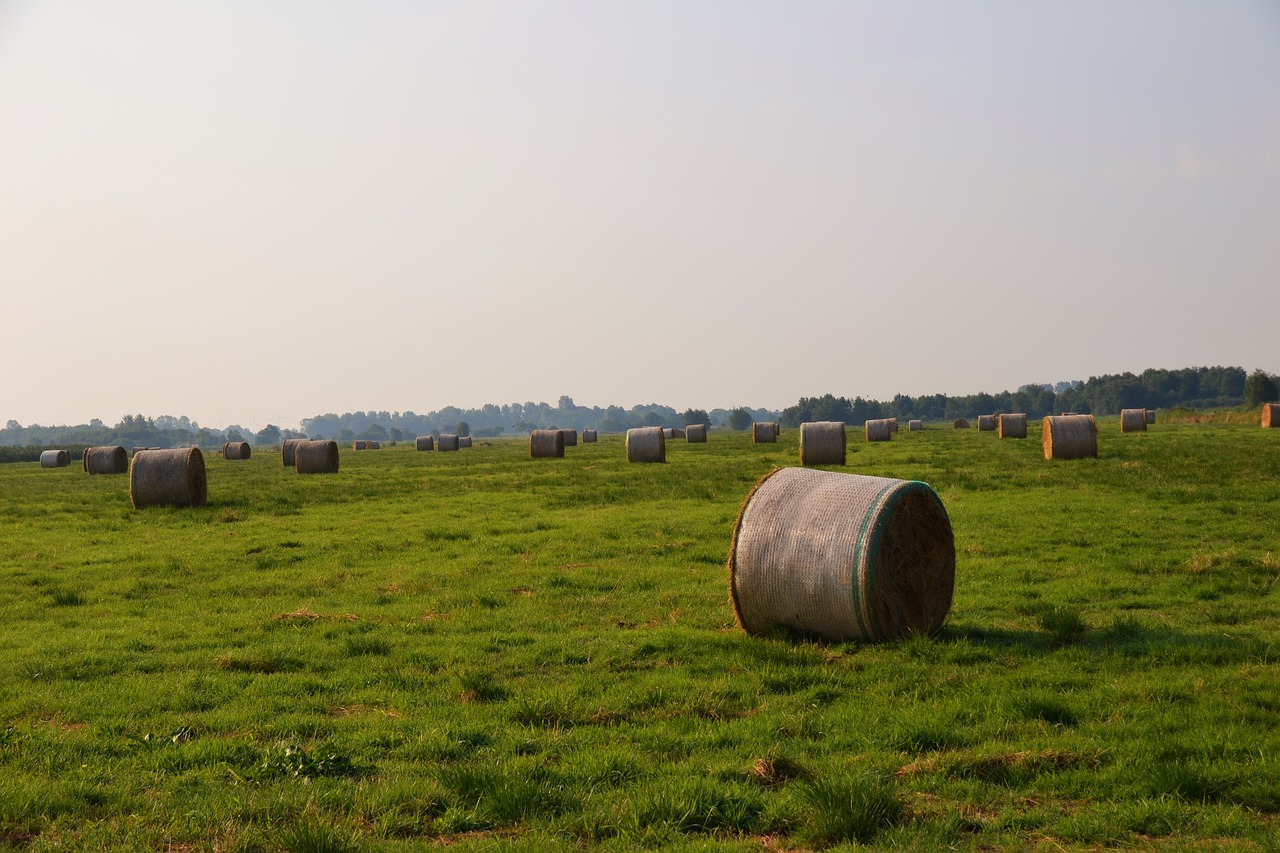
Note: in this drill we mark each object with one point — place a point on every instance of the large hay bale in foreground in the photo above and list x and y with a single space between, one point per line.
1013 425
842 557
878 429
424 442
236 450
1150 415
105 460
1270 415
168 478
822 443
570 437
1133 420
915 425
288 450
960 423
464 441
316 457
696 433
646 444
54 459
986 423
446 442
589 436
1069 437
764 432
546 444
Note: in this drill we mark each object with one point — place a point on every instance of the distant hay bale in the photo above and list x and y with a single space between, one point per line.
288 449
464 441
168 478
668 432
878 429
570 437
696 433
1150 415
546 444
374 445
316 457
54 459
365 444
842 557
986 423
893 425
424 442
777 429
105 460
589 436
1013 425
1133 420
764 432
1270 415
236 450
822 443
446 442
915 425
677 432
1069 437
960 423
646 444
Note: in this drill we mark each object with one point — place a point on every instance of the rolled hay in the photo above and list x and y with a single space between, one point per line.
1069 437
1013 425
464 441
893 425
105 460
168 478
764 432
424 442
54 459
842 557
646 444
1133 420
446 442
546 444
878 429
570 437
915 425
822 443
589 436
316 457
236 450
365 444
677 433
986 423
288 449
696 433
668 432
1270 415
1150 415
960 423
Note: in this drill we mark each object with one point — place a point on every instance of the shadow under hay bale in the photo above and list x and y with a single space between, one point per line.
1270 415
1013 425
168 478
288 448
842 557
1069 437
1133 420
960 423
446 442
570 437
878 429
696 433
424 442
986 423
236 450
915 425
316 457
646 444
589 436
105 460
54 459
822 443
546 444
764 432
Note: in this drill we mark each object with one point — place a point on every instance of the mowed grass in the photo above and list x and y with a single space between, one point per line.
480 649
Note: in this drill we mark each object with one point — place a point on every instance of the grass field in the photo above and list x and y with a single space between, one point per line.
482 649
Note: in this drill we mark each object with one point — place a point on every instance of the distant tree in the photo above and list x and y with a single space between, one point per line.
462 429
739 418
375 432
1261 387
523 426
268 435
233 435
395 433
346 434
696 416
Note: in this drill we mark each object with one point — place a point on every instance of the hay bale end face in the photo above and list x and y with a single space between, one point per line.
1069 437
54 459
589 436
446 442
424 442
1133 420
1150 415
570 437
822 443
842 557
1013 425
696 433
287 450
986 423
915 425
236 450
168 478
546 444
316 457
960 423
646 444
764 432
1270 415
105 460
878 429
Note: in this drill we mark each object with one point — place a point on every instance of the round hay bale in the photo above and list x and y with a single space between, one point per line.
960 423
236 450
446 442
822 443
668 432
777 429
764 432
316 457
464 441
424 442
842 557
646 444
168 478
1069 437
54 459
1270 415
986 423
105 460
696 433
915 425
1133 420
589 436
1013 425
288 448
677 433
1150 415
546 444
878 429
893 425
570 437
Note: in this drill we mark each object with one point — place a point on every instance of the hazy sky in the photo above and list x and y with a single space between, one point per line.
252 212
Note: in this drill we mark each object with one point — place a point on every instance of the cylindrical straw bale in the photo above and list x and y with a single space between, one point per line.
696 433
105 460
822 443
1149 415
986 423
1013 425
464 441
915 425
424 442
646 444
316 457
168 478
842 557
570 437
777 429
763 432
877 429
1270 415
236 450
960 423
1133 420
54 459
668 432
589 436
446 442
288 449
546 444
893 424
1069 437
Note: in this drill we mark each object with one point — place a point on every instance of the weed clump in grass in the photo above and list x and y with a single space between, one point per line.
847 808
1065 623
296 763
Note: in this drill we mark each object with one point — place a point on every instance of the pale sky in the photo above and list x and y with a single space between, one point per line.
254 211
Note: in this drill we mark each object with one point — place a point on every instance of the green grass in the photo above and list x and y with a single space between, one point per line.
482 649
